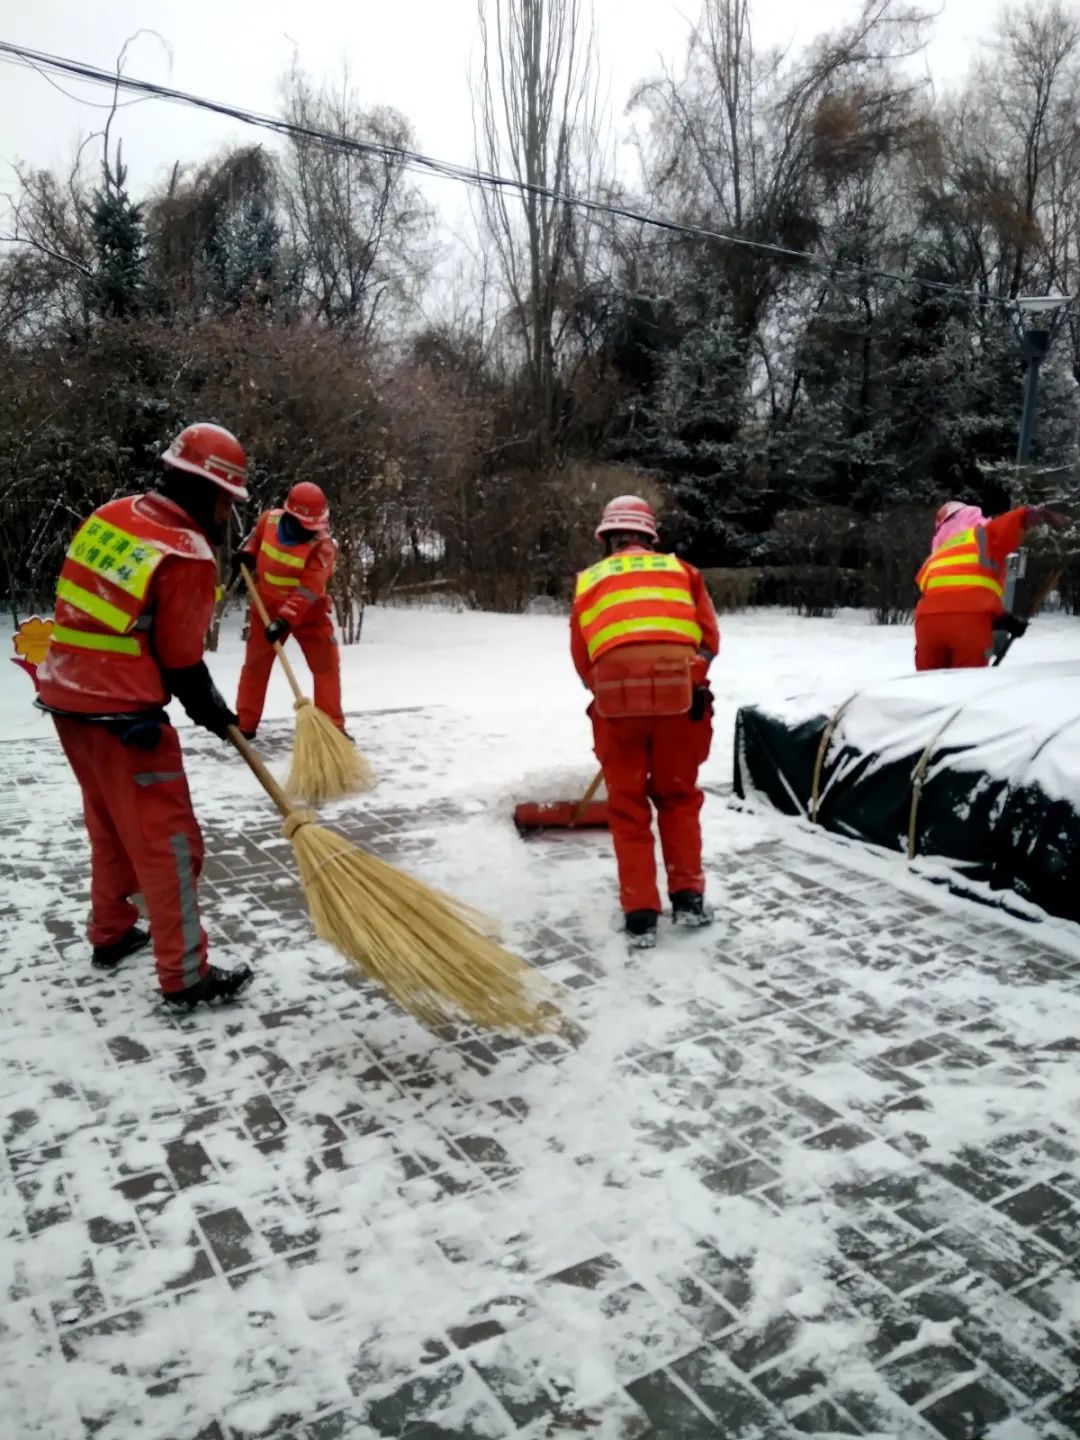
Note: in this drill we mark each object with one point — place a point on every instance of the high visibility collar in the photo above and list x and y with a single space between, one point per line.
962 537
627 562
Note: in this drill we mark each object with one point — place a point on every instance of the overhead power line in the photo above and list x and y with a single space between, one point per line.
417 162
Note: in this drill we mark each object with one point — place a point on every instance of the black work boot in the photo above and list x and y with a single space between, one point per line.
641 929
214 985
108 957
689 910
249 735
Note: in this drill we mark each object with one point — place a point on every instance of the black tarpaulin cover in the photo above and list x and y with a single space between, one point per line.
980 767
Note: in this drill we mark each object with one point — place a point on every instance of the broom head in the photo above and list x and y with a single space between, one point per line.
426 948
561 815
326 764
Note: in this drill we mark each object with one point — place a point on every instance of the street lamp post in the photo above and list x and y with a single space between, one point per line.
1041 317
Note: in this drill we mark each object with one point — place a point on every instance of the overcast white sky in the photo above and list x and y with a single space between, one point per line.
413 54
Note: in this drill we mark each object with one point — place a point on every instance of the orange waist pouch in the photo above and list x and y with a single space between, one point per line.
638 680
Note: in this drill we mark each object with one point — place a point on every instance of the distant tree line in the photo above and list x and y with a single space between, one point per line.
795 419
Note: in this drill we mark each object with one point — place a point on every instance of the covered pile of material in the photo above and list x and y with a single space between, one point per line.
981 767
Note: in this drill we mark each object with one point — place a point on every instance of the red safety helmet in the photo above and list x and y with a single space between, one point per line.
212 452
948 510
307 503
628 512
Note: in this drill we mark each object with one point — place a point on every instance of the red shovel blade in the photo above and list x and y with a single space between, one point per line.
559 815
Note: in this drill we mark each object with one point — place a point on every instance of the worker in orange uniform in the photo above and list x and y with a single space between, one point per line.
133 604
643 633
963 584
291 555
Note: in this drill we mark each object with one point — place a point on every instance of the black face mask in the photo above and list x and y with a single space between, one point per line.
616 540
198 498
292 532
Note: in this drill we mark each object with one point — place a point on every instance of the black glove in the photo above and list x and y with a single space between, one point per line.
142 735
1010 625
701 704
1050 515
241 560
201 698
141 731
277 631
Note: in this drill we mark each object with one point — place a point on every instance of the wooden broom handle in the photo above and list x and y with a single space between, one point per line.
259 770
260 610
580 807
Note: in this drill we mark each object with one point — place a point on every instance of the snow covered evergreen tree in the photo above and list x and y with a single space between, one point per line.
118 285
243 252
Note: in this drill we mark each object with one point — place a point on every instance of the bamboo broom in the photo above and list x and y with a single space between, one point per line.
426 948
326 765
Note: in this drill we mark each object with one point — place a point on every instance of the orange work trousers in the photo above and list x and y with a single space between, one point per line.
144 839
961 640
320 649
654 758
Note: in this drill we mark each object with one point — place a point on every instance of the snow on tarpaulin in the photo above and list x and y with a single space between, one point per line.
979 767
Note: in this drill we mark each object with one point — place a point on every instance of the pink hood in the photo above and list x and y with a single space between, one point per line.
965 518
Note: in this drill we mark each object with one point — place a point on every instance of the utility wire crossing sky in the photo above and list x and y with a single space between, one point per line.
45 62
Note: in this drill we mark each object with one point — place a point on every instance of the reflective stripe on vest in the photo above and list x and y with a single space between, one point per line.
635 598
285 580
283 559
647 563
89 640
963 562
642 592
93 605
688 630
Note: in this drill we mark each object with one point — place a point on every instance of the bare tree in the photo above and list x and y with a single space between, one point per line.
537 120
52 234
360 230
1034 88
744 141
998 173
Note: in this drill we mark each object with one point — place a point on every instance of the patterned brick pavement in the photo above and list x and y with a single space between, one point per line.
740 1209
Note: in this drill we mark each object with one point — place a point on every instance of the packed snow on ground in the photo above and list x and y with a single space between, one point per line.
467 712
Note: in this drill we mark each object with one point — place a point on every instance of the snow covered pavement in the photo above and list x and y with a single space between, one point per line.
811 1172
